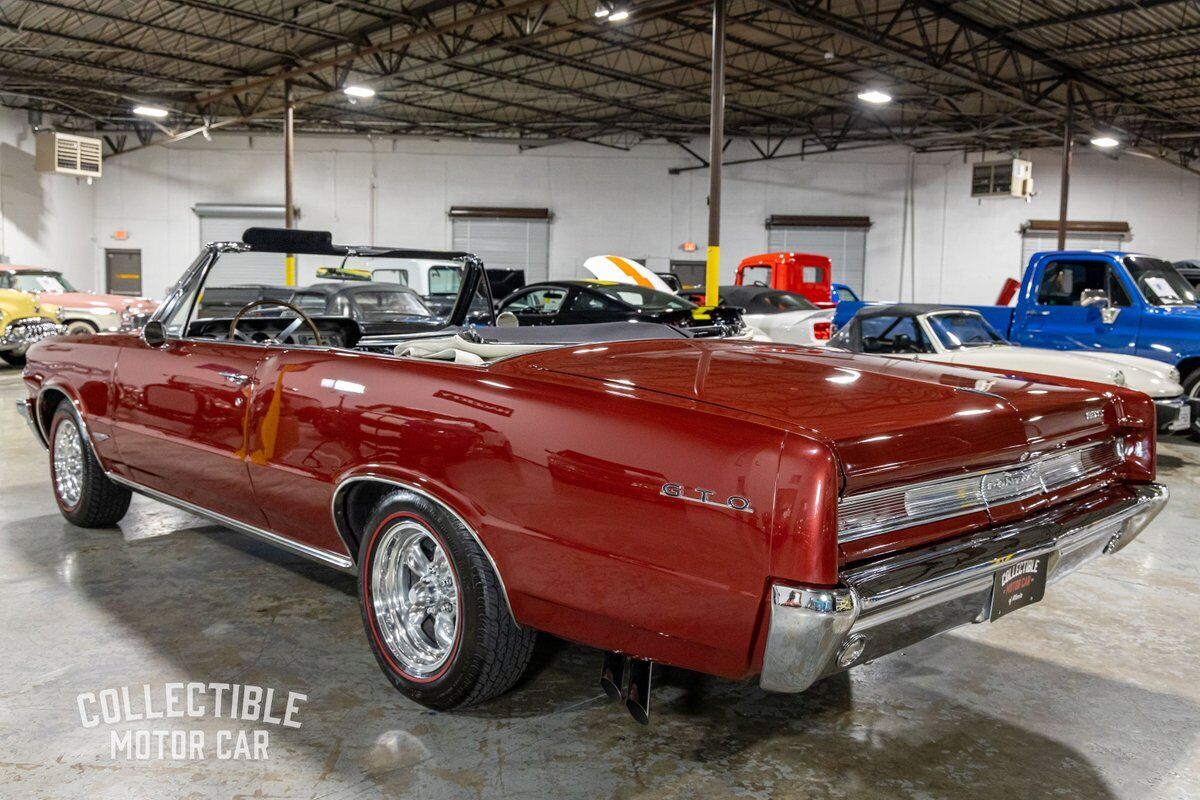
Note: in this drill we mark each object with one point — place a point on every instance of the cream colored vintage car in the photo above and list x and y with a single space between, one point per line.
23 321
962 336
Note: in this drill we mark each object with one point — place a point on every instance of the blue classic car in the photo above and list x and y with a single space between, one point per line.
1102 301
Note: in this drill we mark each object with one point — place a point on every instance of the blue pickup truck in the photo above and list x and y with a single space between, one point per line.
1097 300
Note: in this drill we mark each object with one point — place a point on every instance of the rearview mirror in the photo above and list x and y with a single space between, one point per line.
154 334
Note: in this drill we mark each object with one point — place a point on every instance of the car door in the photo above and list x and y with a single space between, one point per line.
1055 317
180 417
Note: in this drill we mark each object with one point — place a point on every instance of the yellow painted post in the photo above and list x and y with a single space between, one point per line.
712 275
290 270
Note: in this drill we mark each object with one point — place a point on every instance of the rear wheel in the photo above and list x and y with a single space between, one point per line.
1191 390
10 357
433 607
85 495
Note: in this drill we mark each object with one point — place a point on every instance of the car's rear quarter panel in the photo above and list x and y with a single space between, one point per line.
562 479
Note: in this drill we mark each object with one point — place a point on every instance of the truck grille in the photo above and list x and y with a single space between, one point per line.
903 507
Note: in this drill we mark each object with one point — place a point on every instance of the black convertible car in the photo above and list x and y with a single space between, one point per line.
578 302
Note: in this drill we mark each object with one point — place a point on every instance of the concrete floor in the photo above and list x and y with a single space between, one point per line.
1094 693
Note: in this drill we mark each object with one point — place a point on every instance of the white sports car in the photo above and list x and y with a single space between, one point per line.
961 336
781 316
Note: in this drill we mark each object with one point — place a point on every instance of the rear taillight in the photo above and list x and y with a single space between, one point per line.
822 331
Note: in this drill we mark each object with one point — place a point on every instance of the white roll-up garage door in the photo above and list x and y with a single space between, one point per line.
844 245
1042 234
505 242
226 223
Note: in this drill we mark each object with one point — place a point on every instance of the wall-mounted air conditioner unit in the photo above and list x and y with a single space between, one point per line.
1011 178
68 154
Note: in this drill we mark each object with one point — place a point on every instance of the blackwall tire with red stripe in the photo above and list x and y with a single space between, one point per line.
433 608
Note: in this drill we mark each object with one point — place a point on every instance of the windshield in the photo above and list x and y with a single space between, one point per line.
379 305
30 281
1160 283
640 297
445 279
956 331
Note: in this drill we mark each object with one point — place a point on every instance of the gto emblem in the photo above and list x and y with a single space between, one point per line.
1095 413
705 497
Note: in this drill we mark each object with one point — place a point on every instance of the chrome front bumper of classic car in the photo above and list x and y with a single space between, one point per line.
895 601
24 332
25 410
1174 413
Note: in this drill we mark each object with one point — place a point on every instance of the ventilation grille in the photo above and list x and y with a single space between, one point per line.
67 154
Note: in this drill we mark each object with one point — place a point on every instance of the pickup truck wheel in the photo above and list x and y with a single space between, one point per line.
16 360
85 495
1191 390
433 607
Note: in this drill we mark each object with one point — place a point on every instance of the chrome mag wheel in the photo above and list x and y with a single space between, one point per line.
68 463
415 598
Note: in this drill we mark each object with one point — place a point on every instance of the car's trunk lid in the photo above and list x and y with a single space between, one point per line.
890 421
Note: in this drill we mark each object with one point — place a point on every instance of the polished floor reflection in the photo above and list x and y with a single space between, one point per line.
1095 693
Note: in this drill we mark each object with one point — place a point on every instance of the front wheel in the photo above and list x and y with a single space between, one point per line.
78 326
13 358
85 495
433 607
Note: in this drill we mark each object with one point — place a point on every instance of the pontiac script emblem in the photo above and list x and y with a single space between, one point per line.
705 497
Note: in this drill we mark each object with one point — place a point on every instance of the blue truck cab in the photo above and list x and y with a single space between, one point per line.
1101 300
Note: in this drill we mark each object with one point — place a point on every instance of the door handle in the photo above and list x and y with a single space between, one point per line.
1037 313
236 378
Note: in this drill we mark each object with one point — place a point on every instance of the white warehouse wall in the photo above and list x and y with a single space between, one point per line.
603 201
44 219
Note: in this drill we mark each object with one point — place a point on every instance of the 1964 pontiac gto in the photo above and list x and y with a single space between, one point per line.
736 508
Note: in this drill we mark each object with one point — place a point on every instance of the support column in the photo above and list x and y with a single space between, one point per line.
716 144
289 158
1068 135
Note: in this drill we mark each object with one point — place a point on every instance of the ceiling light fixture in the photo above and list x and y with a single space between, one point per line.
601 12
150 111
359 91
875 96
1105 142
619 16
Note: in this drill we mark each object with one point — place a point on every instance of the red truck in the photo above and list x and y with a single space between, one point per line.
805 274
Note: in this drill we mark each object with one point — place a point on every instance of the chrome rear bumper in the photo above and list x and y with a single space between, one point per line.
895 601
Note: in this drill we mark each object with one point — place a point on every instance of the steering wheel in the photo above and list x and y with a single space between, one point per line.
286 335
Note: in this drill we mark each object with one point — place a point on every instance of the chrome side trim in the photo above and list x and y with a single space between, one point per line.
315 553
339 519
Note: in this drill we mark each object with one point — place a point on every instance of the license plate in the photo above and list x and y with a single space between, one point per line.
1019 584
1185 418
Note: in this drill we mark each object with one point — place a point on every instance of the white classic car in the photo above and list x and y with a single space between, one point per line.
781 316
961 336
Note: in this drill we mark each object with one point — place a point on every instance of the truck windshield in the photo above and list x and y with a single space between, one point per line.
956 331
1160 283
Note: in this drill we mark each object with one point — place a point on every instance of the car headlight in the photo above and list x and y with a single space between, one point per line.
1173 375
1118 377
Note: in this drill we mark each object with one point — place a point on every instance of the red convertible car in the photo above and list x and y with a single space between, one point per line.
737 508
